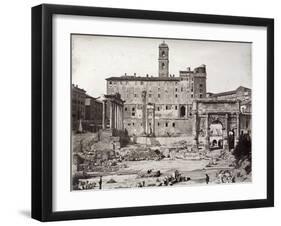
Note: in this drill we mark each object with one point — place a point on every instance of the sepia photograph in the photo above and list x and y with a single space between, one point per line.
156 112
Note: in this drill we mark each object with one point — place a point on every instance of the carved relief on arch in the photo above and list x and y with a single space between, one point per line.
216 118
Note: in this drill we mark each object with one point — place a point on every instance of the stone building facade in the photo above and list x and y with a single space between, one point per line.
77 105
93 114
159 106
244 96
241 93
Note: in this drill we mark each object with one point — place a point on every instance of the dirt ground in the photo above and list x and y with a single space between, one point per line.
128 177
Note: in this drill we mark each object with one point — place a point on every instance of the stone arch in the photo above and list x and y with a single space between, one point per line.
182 111
216 134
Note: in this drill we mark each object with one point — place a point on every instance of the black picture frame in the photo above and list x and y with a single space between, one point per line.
42 111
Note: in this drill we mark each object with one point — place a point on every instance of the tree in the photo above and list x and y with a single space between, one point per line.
244 148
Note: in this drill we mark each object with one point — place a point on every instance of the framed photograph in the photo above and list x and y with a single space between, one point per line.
145 112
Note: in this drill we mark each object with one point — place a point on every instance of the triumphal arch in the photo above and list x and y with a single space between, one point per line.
216 123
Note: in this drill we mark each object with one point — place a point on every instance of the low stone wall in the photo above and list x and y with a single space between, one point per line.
161 140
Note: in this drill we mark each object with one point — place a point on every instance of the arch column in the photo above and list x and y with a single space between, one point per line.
207 136
225 134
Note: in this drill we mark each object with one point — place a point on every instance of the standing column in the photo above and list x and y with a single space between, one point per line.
116 115
113 116
103 114
195 125
237 135
122 117
207 132
110 115
225 134
195 130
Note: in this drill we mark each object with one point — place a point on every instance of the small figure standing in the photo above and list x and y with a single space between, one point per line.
207 178
100 182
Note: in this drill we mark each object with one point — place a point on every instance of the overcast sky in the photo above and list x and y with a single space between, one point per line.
95 58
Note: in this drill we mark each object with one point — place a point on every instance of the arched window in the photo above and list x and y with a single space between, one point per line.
163 65
163 53
182 111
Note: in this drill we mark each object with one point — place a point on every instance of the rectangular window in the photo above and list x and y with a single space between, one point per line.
176 107
133 113
149 95
174 124
201 95
158 108
176 95
201 85
141 82
158 124
126 109
135 95
176 90
158 95
166 124
167 107
191 95
181 89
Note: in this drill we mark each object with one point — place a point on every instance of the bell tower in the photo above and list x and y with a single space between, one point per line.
163 60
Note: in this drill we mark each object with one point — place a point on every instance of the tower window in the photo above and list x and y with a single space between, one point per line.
163 65
163 53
